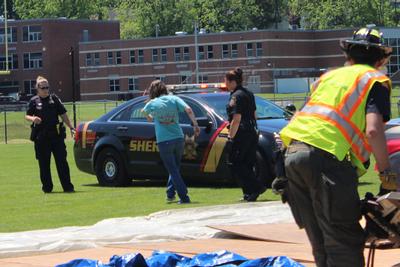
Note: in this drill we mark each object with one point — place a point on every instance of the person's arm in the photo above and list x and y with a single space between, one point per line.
66 120
196 127
33 118
234 125
376 137
30 116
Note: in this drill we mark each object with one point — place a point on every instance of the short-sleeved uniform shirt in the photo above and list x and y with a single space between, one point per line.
165 111
242 102
48 109
378 101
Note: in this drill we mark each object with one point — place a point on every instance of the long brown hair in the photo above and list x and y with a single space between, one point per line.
235 75
156 89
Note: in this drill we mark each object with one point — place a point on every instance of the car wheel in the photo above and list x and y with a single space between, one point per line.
110 169
263 170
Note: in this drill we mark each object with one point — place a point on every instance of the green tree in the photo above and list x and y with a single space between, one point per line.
11 14
73 9
333 14
140 17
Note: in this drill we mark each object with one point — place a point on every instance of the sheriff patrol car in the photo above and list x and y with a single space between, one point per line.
121 145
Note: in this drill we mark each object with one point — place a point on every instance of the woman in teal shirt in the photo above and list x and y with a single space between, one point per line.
164 110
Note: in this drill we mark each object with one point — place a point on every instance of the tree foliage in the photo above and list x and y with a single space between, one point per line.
139 17
333 14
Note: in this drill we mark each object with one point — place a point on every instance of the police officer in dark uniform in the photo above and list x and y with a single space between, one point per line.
48 135
243 135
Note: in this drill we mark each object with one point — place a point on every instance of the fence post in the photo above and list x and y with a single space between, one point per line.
105 107
5 125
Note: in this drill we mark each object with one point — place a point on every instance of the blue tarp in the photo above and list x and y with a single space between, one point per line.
221 258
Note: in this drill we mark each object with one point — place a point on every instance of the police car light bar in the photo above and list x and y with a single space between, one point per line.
197 86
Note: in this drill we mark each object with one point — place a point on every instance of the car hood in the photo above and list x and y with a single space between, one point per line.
272 125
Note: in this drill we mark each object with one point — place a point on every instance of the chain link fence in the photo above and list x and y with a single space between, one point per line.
15 129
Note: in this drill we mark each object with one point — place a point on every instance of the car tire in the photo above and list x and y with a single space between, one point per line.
110 169
263 170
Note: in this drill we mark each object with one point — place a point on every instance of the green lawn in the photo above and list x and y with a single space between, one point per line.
25 207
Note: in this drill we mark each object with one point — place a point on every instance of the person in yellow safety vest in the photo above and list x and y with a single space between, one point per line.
329 142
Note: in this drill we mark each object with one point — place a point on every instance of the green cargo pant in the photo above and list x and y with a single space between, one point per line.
322 194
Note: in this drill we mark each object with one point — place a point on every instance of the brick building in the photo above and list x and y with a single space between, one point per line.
42 47
111 69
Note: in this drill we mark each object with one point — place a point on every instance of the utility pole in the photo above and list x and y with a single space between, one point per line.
276 11
71 54
6 71
196 51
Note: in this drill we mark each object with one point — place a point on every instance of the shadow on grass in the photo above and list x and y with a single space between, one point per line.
162 183
365 183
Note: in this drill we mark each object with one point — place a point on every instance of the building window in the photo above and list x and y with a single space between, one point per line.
10 86
132 84
163 54
11 35
234 51
110 58
88 59
210 53
118 58
203 78
161 78
177 54
140 56
394 62
32 60
155 55
225 51
132 57
201 52
186 55
259 50
114 85
96 59
185 79
29 87
249 49
32 33
12 62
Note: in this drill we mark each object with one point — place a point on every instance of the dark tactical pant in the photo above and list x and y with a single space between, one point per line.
43 149
323 197
242 159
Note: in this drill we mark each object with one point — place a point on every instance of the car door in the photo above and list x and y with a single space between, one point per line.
195 147
138 137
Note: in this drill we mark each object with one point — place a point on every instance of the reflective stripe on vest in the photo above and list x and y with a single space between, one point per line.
350 131
340 116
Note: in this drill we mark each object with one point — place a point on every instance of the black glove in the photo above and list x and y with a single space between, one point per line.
279 184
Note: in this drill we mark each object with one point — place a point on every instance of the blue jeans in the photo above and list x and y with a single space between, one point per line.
171 153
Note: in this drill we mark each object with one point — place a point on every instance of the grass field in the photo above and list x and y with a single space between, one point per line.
25 207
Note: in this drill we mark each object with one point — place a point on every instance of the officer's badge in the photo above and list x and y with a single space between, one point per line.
190 152
232 102
39 106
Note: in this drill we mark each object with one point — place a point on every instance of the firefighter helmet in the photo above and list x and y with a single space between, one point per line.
369 37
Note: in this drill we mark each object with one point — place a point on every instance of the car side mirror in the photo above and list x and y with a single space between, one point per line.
204 122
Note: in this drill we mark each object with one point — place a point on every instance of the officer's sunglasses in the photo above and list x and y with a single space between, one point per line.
44 87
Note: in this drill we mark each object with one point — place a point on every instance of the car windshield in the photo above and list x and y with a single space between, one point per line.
265 108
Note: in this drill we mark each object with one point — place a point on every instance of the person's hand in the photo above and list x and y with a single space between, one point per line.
37 120
196 129
73 131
